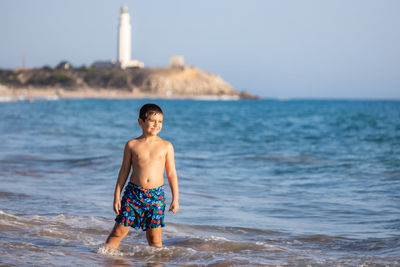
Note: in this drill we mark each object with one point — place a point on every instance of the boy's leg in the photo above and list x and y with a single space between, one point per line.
153 236
117 234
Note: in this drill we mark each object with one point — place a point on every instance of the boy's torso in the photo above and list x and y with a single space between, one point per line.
148 162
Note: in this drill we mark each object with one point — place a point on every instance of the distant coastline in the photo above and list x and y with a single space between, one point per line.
184 82
8 94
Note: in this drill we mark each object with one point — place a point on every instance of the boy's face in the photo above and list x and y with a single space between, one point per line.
152 125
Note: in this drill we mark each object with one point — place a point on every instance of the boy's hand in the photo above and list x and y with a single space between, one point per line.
117 206
174 207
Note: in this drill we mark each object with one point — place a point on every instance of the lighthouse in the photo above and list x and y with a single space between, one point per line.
124 41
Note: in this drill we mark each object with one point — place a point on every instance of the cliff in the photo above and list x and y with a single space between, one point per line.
182 81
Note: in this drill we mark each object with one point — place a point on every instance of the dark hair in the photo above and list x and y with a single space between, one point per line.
149 109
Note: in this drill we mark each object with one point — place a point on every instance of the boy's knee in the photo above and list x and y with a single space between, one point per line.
120 231
154 237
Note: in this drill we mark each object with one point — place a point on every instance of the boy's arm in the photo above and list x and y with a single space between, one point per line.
122 176
172 178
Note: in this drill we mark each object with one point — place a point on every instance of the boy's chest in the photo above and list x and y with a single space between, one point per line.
146 154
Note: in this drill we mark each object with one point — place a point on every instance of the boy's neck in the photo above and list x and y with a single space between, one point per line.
148 137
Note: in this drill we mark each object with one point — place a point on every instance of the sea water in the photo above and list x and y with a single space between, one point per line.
274 183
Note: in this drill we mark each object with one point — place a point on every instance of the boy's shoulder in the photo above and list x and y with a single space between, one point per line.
137 140
166 143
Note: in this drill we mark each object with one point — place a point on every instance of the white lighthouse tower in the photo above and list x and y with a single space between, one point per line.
124 41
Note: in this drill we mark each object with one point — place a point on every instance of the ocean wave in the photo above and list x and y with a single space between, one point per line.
36 160
12 196
187 244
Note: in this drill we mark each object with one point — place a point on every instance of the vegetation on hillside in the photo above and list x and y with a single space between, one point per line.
182 80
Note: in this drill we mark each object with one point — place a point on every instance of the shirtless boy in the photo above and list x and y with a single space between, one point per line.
143 202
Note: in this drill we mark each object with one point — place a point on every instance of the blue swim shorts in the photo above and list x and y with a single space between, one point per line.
142 208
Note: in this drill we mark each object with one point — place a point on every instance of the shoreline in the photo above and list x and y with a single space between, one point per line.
8 94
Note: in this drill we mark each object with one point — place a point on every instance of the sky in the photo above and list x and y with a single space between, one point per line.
276 49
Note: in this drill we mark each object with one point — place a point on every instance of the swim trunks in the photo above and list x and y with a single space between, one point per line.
142 208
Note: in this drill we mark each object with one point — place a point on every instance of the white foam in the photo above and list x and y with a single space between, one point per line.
269 247
217 238
11 220
148 253
72 221
109 251
62 228
56 253
10 215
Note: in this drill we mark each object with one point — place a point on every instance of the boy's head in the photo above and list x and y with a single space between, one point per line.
150 119
149 109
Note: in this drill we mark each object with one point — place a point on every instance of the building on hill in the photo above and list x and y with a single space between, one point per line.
176 62
124 41
124 46
64 65
113 64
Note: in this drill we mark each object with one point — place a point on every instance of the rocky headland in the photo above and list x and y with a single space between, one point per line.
163 82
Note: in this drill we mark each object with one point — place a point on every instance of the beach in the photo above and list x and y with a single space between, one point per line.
8 94
262 183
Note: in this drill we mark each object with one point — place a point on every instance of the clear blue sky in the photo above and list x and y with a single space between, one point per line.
278 49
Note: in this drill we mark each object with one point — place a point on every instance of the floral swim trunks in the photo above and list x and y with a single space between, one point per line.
142 208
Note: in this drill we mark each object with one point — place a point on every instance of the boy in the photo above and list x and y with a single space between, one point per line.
143 202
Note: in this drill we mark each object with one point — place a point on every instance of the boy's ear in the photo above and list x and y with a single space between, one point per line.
140 121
